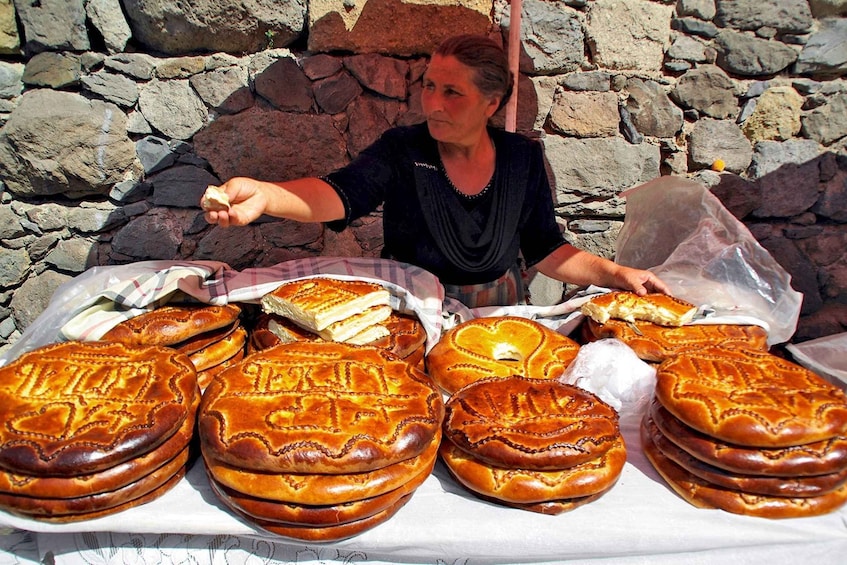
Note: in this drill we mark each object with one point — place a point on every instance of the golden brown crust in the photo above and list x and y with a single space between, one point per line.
333 533
658 308
150 496
703 494
199 341
530 423
323 489
220 351
36 507
550 507
498 347
103 481
172 324
314 515
526 486
749 483
205 376
82 407
750 398
655 343
818 458
319 408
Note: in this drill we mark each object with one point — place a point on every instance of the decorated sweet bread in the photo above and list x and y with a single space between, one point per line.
81 407
655 343
172 324
498 347
318 408
750 398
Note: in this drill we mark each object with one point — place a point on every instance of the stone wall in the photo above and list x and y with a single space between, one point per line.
117 114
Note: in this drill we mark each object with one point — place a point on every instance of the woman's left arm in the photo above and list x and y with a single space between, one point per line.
569 264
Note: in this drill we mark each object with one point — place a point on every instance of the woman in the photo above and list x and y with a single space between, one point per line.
460 199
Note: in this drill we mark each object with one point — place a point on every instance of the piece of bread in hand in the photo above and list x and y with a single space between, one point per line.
658 308
214 199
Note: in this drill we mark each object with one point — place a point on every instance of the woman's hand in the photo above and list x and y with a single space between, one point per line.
639 281
248 199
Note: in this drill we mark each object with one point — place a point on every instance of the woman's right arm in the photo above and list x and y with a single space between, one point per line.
307 199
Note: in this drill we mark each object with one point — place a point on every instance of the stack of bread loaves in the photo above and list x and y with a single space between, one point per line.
534 444
498 347
211 336
328 309
748 432
93 428
656 326
319 441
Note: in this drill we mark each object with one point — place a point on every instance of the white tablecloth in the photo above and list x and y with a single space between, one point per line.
641 520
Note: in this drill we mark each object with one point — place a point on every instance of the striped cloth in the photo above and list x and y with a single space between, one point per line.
92 303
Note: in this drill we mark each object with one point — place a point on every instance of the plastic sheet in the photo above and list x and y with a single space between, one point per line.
680 231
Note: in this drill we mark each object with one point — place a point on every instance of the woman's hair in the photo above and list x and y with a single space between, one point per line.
488 60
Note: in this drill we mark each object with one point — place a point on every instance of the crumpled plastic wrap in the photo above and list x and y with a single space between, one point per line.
681 232
610 369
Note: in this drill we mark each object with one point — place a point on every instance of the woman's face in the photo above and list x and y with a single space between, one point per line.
456 110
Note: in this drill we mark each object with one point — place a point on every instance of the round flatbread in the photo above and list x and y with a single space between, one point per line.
818 458
526 423
313 515
751 398
81 407
324 489
655 343
498 347
172 324
703 494
754 484
524 486
319 408
122 474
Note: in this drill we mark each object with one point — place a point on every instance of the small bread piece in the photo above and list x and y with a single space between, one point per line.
222 350
214 199
655 343
704 494
624 305
750 398
817 458
533 424
316 303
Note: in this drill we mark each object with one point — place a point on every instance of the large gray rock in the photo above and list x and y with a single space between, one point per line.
711 140
33 296
787 16
108 18
552 37
176 27
825 54
588 174
628 34
301 145
651 109
742 54
53 25
828 122
708 90
173 108
92 153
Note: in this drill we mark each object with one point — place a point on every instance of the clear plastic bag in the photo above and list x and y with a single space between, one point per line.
680 231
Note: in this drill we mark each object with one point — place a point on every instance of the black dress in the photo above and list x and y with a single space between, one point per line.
462 240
